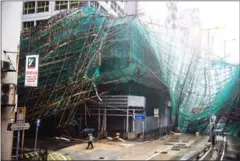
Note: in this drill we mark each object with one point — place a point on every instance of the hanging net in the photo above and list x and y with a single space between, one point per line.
82 49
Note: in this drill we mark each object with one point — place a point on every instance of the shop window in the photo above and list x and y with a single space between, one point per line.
29 7
60 5
42 6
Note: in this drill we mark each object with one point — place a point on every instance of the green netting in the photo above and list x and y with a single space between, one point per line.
88 47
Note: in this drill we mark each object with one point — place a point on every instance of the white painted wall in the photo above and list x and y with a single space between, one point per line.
11 18
11 28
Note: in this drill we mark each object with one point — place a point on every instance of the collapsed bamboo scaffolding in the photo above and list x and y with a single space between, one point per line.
86 49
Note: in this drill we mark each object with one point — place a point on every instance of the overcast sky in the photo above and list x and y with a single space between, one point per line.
212 14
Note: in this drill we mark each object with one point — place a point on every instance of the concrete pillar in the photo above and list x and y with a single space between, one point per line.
6 136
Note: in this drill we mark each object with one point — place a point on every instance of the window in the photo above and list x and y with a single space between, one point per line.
74 3
60 5
42 6
29 7
94 4
28 25
41 22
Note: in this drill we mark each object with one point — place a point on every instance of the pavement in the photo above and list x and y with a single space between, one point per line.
233 149
149 150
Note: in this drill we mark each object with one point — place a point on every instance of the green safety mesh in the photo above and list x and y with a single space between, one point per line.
87 48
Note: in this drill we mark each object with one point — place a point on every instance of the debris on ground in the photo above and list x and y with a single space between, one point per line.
62 138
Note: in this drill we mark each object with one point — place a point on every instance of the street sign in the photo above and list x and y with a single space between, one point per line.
156 112
139 116
19 126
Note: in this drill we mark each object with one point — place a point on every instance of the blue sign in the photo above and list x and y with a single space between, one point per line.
38 122
139 116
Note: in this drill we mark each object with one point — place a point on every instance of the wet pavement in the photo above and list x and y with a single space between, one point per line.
233 149
170 148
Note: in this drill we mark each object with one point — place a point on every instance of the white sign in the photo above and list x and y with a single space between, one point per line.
136 101
31 70
20 117
20 126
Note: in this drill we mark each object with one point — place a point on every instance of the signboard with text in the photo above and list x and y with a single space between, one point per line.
31 70
19 126
139 116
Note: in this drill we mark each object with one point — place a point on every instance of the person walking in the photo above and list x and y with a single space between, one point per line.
90 140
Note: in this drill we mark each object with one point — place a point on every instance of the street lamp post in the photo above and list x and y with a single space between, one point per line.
209 79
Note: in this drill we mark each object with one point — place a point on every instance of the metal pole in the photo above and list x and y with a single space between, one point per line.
143 124
105 119
209 86
99 119
85 115
133 121
18 141
225 49
36 135
127 121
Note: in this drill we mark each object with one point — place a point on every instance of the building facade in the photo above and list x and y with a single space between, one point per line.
10 17
35 12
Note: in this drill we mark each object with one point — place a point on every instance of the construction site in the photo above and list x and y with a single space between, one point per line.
157 87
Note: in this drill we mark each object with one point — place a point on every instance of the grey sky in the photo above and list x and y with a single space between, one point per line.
212 14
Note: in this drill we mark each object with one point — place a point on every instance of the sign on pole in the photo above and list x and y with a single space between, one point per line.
31 70
19 126
139 116
156 112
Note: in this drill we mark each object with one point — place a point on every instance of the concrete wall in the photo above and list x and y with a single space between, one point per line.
11 12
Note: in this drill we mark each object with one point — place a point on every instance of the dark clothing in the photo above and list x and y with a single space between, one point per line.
90 143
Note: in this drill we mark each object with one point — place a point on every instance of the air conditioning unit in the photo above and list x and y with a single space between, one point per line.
7 94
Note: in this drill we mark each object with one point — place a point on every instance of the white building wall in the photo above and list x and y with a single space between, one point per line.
11 28
11 14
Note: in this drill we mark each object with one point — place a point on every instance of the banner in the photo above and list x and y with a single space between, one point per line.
31 70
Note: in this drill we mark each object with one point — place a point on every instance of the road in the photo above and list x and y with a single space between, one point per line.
170 148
